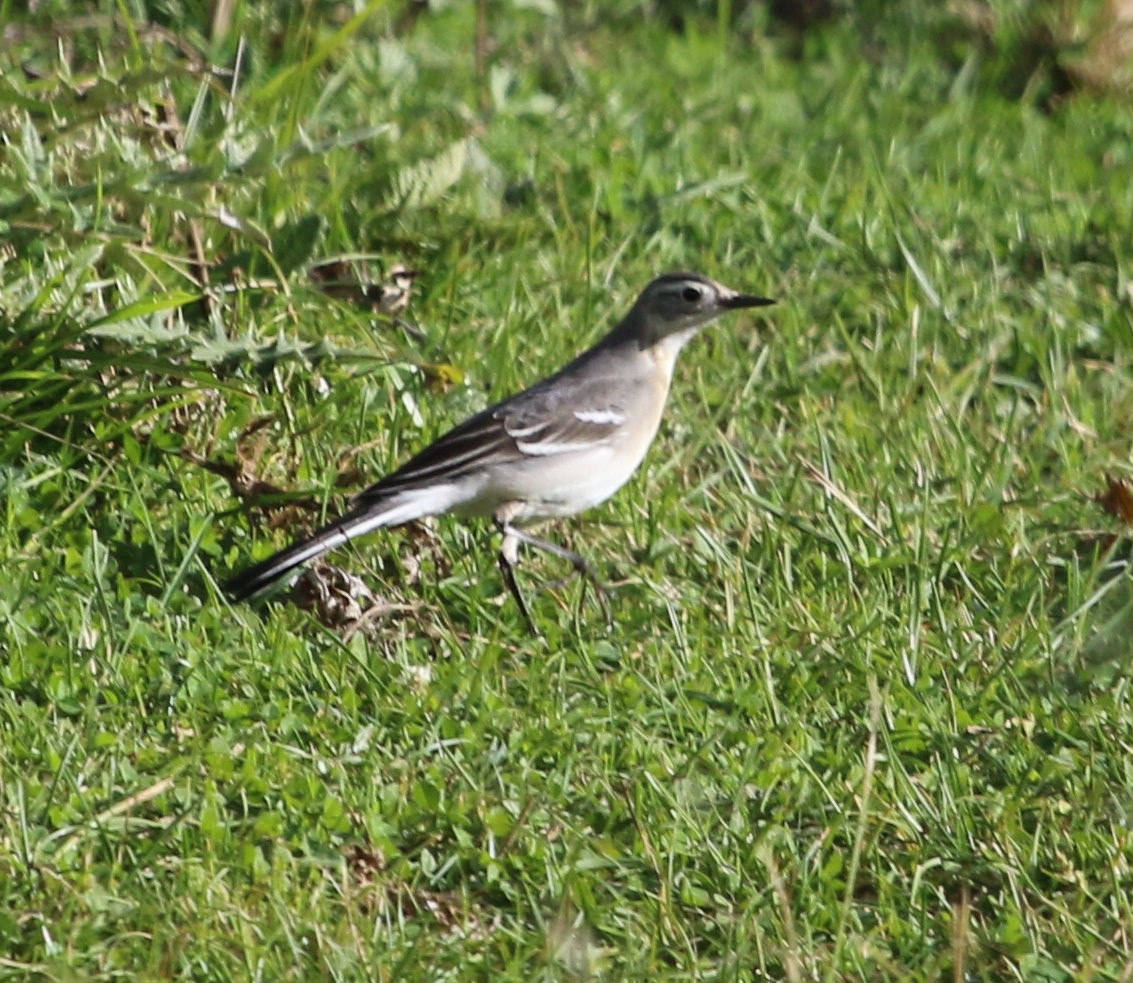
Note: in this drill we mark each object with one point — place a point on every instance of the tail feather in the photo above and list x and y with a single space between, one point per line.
262 575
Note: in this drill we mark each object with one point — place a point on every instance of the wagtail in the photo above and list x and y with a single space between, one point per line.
556 449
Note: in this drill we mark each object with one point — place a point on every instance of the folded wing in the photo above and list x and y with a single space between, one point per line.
538 423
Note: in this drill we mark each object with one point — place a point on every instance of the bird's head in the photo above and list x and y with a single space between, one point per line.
402 277
677 305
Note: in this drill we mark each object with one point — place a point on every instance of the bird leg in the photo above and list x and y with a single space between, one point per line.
509 554
509 557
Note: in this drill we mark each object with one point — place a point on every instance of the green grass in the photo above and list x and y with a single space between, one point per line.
865 711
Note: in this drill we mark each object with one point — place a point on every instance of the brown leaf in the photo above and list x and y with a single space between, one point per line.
341 600
337 278
1117 500
245 484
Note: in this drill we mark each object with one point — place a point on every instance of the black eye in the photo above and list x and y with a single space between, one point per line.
690 295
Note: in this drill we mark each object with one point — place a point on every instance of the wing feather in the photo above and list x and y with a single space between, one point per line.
541 422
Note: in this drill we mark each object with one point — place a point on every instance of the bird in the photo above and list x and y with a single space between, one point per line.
392 298
338 277
554 450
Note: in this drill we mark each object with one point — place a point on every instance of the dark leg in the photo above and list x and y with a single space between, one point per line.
509 555
513 536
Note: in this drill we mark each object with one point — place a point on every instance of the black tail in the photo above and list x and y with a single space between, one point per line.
265 573
258 578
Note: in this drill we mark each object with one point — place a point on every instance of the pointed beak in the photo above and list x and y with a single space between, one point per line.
744 300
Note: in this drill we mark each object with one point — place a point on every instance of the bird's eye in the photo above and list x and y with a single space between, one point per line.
690 295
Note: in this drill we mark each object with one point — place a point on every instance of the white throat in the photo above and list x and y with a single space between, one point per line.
666 350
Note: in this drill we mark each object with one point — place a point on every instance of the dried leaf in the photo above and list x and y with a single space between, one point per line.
1117 500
